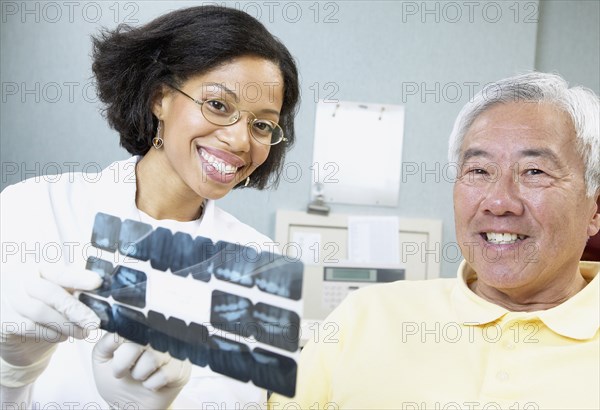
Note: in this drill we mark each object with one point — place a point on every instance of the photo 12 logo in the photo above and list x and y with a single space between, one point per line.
67 405
53 12
469 11
48 92
287 11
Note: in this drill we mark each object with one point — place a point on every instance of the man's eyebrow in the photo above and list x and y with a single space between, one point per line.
541 153
529 152
474 152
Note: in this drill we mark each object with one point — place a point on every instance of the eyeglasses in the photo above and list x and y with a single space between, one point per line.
221 112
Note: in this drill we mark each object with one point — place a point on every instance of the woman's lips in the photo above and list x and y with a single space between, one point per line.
223 156
218 165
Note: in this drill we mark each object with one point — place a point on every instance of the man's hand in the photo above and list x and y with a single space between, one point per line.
39 311
127 373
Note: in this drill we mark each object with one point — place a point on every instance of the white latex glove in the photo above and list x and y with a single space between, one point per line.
132 376
39 311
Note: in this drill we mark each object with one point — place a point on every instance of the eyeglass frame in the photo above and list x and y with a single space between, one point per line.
250 122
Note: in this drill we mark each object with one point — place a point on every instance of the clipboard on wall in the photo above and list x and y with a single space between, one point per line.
357 155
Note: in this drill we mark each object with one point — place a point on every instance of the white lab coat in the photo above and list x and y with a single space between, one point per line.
49 220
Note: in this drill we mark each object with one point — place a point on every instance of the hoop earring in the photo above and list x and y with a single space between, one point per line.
247 182
157 141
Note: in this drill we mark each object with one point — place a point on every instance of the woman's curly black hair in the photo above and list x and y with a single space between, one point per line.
132 63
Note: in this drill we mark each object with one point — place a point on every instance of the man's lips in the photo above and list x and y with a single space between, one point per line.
497 237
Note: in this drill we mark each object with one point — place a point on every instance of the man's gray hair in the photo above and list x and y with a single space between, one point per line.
581 104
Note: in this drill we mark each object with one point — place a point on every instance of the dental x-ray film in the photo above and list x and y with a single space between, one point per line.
224 305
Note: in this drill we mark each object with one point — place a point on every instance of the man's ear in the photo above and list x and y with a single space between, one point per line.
594 225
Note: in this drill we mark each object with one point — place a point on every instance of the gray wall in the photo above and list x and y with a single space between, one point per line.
429 56
569 41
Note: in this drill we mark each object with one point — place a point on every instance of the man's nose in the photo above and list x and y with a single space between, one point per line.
503 195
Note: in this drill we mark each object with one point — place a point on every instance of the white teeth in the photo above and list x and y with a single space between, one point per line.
503 238
217 163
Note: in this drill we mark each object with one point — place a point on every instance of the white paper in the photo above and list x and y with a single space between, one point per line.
374 239
357 154
309 244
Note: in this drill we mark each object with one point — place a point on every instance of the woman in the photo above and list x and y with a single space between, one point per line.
204 99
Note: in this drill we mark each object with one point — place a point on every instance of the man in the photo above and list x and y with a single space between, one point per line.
518 327
592 249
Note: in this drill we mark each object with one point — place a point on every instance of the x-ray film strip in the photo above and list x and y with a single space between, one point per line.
225 305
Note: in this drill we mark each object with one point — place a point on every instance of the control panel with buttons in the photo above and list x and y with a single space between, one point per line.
339 281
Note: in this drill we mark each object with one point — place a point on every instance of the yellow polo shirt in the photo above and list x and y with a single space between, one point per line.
436 345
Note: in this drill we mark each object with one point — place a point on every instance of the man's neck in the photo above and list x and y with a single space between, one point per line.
520 300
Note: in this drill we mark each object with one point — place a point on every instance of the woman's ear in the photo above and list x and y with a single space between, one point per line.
159 100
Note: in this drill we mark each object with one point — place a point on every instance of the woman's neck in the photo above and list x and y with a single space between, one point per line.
161 193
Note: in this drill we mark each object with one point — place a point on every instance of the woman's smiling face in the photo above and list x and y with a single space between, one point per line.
211 159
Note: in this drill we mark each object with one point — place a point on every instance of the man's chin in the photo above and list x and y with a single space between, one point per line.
501 275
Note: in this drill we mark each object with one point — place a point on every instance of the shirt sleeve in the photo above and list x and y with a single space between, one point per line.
318 362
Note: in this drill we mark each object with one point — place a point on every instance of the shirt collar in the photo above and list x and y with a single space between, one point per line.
208 217
576 318
470 308
579 316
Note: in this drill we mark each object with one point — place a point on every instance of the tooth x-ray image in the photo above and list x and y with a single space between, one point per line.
250 329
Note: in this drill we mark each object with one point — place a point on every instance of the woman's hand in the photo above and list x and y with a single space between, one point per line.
39 311
127 373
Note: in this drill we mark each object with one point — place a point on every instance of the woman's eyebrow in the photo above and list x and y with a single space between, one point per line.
221 87
269 111
233 94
